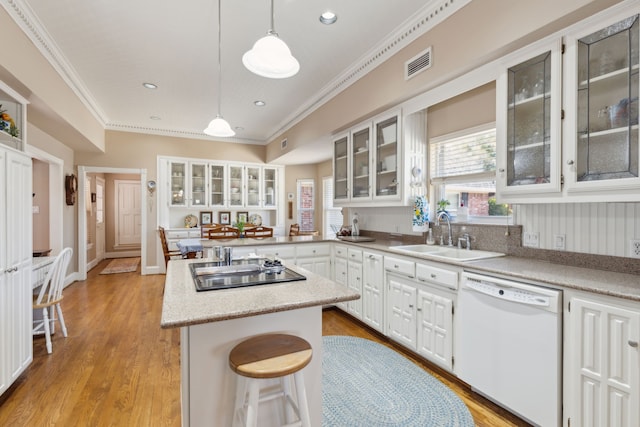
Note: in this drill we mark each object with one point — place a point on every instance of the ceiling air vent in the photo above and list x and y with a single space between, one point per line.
283 144
417 64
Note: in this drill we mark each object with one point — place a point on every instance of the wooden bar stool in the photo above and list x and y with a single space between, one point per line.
271 356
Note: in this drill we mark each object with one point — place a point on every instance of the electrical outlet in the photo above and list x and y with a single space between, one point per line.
531 240
559 242
634 248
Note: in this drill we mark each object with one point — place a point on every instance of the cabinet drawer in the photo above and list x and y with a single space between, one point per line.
305 251
178 234
341 251
402 266
439 276
279 251
354 255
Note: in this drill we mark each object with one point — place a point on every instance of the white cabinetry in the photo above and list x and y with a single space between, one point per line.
401 308
340 269
373 290
174 235
354 280
602 364
16 351
315 258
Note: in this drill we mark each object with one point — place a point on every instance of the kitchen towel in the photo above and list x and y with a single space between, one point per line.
420 220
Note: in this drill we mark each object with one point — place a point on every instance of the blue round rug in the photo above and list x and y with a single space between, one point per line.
367 384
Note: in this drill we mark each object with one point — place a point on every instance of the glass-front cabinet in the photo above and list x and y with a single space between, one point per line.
198 185
236 186
253 186
341 168
178 183
217 185
13 112
269 187
528 124
387 157
360 163
602 152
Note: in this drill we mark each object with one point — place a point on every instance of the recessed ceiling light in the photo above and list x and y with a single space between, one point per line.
328 17
239 128
155 118
259 103
150 85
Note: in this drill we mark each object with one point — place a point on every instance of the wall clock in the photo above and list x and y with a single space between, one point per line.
71 187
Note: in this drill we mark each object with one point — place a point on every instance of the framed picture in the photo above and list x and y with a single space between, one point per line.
242 217
225 218
93 197
206 217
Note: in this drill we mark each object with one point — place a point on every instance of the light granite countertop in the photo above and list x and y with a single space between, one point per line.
183 306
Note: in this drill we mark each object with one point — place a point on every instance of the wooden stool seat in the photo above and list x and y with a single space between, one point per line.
266 357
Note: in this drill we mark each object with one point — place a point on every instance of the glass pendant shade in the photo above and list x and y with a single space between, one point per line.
270 57
219 127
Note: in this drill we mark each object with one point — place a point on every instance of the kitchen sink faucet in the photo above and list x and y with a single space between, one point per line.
445 215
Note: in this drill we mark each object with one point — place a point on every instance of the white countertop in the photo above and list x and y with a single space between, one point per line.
184 306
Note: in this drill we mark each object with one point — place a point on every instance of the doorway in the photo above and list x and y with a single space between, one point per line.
83 200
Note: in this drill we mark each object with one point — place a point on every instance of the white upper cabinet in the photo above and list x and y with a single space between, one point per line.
13 117
217 185
601 88
528 123
367 162
178 183
269 187
198 188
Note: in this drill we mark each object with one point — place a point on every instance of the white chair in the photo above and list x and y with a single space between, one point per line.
50 296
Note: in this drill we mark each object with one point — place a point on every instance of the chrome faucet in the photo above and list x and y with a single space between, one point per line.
446 216
467 241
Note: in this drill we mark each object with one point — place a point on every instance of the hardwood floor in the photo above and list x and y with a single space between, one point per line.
117 367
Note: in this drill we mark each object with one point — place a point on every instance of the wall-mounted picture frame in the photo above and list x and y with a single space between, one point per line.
225 218
206 217
242 217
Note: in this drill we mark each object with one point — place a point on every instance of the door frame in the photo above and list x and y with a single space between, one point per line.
82 219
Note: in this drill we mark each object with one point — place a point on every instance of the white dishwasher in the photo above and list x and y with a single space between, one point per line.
508 345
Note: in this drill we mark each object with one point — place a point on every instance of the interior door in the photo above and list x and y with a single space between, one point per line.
100 230
128 213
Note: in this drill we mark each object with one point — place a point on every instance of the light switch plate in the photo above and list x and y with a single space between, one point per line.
531 239
559 242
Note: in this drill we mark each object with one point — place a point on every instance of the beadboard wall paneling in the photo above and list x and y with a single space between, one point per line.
594 228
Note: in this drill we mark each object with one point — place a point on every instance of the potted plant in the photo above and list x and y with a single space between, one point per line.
442 205
240 226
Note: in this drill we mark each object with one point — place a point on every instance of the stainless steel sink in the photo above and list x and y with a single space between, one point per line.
445 252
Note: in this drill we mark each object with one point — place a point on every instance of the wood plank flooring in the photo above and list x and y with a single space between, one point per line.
117 367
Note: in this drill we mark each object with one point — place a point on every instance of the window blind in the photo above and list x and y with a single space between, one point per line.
463 155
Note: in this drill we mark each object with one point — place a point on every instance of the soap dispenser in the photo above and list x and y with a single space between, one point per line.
355 229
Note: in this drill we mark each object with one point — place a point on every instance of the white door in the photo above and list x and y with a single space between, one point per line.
373 277
128 213
354 280
340 276
100 232
435 323
402 300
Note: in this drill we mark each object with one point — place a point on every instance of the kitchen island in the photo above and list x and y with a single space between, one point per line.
213 322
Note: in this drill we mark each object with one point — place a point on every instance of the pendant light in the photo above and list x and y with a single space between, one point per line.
270 56
219 126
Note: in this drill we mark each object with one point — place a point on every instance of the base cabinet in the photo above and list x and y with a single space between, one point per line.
315 258
602 364
354 281
401 292
373 290
340 270
435 322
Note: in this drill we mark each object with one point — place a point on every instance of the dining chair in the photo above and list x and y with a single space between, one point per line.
204 229
223 232
50 296
165 247
259 231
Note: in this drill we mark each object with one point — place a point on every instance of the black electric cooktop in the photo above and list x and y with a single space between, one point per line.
214 275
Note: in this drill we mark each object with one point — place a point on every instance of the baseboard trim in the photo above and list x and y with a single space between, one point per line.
123 254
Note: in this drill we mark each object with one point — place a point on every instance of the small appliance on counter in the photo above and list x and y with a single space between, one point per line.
355 228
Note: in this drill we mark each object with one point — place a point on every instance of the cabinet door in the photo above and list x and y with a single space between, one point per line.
253 186
341 168
360 164
198 184
269 187
217 185
373 291
178 184
401 311
387 157
236 186
354 280
340 277
602 148
435 326
528 125
604 366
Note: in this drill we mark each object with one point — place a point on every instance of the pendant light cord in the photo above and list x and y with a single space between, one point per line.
273 14
219 57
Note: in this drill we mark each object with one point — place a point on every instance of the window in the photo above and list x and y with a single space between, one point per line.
305 204
332 218
463 173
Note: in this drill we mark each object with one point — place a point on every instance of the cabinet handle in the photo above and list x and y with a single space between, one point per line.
410 305
371 257
633 344
570 162
433 276
343 273
396 266
419 309
501 170
314 251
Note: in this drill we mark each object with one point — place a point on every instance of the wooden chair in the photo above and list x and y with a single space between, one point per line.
50 296
294 230
165 247
259 231
204 229
223 232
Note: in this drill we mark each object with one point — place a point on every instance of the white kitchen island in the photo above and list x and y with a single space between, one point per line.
213 322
